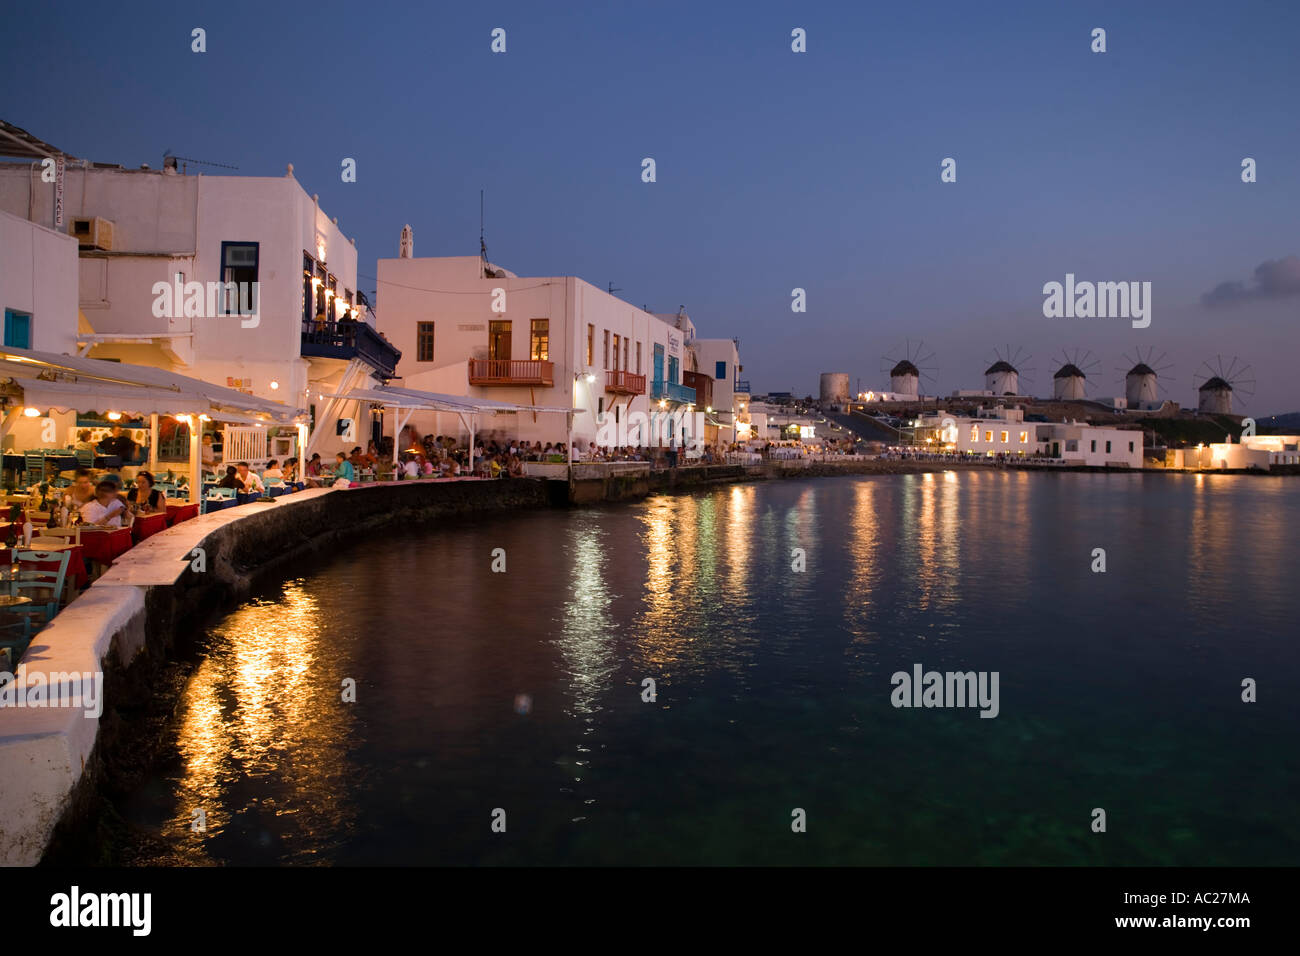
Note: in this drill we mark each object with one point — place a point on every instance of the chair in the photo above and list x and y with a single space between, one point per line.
73 533
218 498
45 584
85 457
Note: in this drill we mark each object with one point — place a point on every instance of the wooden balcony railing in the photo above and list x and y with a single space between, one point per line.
511 372
624 383
703 386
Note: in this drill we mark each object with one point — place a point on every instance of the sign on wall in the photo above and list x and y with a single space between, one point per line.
674 345
58 192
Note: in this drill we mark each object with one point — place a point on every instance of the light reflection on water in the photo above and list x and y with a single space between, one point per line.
772 684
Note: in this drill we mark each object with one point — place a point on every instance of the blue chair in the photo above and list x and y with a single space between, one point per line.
44 583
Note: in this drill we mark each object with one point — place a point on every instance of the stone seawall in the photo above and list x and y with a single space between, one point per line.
125 625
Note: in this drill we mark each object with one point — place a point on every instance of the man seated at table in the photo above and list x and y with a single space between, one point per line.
249 482
107 510
344 474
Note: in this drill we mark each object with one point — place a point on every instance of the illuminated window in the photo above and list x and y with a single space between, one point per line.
617 341
1024 438
591 343
988 435
974 433
539 347
1004 438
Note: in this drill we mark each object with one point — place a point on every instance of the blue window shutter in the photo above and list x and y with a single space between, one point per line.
721 372
18 329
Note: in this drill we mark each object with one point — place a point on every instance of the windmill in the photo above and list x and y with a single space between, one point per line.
1006 368
906 367
1218 385
1070 377
1144 376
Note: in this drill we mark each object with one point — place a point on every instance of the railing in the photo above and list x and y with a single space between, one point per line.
673 392
347 340
511 372
742 387
703 386
624 383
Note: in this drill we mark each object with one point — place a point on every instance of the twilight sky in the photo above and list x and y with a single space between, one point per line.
775 170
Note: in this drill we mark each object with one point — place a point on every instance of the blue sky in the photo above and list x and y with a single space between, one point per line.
775 170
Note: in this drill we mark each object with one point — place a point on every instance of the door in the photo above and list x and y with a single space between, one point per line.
674 364
499 340
659 363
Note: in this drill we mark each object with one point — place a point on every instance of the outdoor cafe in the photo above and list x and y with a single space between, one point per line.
53 409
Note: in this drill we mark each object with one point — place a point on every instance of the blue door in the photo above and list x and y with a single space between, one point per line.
18 329
659 363
674 364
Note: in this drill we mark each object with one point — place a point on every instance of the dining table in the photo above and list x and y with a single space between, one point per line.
145 526
105 544
176 513
77 577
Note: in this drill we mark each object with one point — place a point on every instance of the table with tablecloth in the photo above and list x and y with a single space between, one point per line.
178 513
106 545
76 564
146 525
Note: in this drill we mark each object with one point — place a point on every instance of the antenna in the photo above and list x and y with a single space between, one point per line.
612 290
482 242
186 160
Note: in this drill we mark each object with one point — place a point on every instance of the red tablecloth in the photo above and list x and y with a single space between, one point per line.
76 564
145 525
105 545
178 513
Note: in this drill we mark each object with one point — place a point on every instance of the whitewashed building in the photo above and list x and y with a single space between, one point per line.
1003 431
168 260
467 327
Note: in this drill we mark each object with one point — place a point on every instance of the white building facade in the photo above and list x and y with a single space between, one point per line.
1004 431
467 327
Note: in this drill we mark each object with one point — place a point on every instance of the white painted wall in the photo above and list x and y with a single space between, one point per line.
38 276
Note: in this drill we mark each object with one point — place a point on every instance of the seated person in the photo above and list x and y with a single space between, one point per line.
272 473
231 480
106 509
344 474
81 491
290 471
410 469
83 441
144 498
248 481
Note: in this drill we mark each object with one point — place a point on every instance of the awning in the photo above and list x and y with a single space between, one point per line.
73 382
437 401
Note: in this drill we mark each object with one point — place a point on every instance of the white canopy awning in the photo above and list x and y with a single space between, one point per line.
74 383
436 401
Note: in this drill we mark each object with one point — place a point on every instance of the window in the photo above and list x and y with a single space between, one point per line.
720 371
638 358
308 299
606 365
1094 444
975 434
988 435
591 344
1107 447
674 365
424 341
616 345
627 344
1004 438
1024 438
499 340
539 346
18 329
1130 446
600 410
1072 444
239 265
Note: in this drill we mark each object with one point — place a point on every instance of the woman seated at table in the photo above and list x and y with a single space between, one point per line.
231 480
144 498
272 475
290 473
107 509
81 491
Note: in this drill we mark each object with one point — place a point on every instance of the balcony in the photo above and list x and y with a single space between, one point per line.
511 372
349 340
742 387
673 392
624 383
702 385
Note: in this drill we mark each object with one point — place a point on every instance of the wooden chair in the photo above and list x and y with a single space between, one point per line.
44 584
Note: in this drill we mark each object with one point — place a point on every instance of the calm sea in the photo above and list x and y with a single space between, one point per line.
479 691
